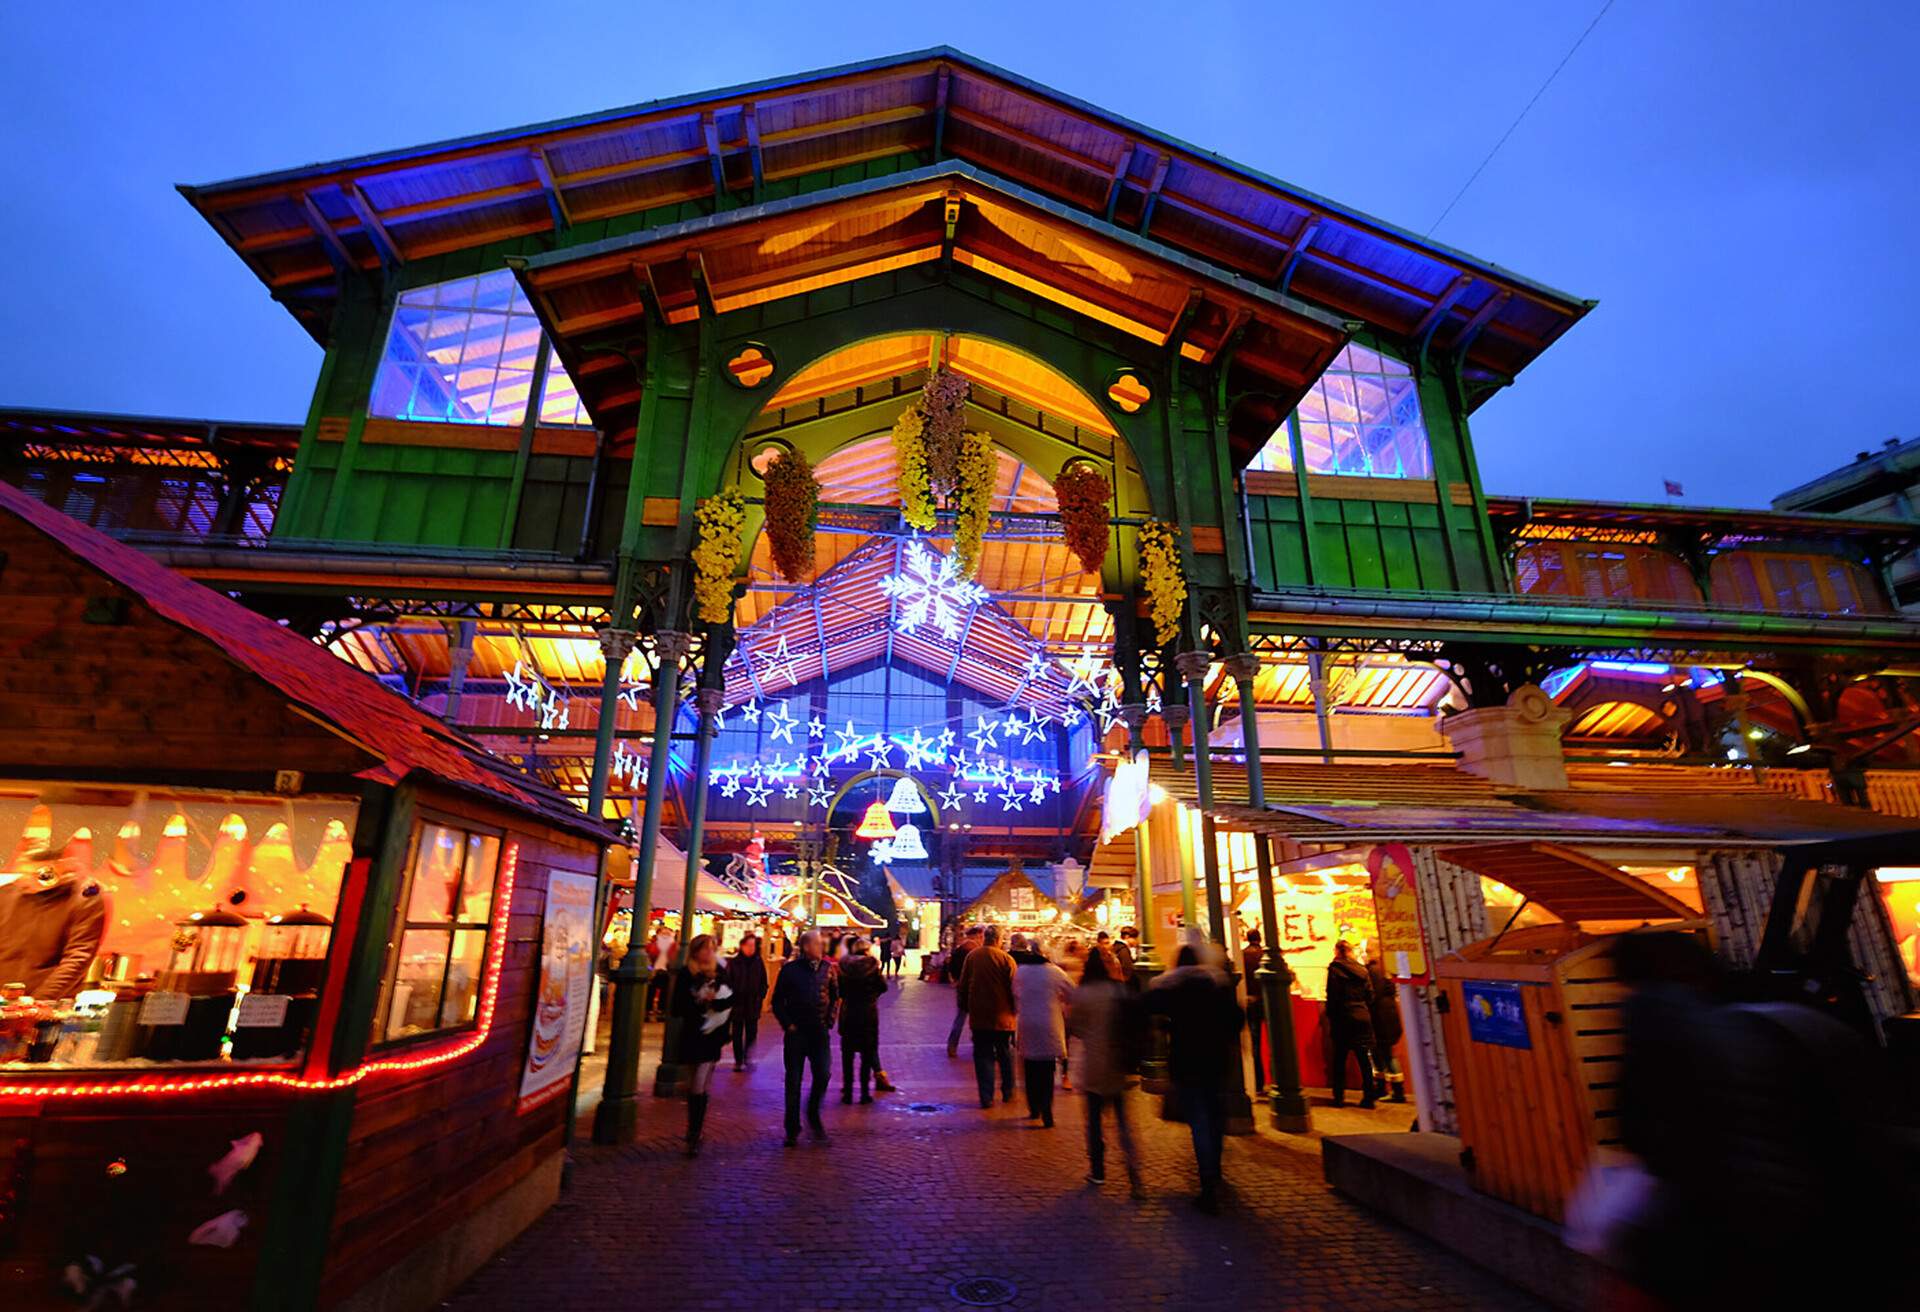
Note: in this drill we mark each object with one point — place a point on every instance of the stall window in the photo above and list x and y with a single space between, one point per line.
463 352
439 948
154 925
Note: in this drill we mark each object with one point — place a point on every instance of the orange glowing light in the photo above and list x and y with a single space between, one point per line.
877 823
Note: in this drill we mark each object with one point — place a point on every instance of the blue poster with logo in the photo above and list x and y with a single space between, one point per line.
1494 1013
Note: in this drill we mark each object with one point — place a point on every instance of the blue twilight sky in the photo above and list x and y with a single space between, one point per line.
1736 181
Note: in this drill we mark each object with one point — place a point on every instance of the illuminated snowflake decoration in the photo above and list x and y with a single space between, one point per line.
931 591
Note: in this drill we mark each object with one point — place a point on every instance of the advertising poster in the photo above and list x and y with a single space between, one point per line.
1494 1013
566 981
1396 913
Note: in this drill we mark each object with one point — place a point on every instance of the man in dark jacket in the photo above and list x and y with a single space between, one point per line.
987 1001
862 981
1349 1024
1251 958
1203 1041
806 1001
747 976
956 962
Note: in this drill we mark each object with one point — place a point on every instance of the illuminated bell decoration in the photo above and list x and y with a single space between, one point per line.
907 845
876 823
906 801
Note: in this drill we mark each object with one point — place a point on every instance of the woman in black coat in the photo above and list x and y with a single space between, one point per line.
1387 1029
1349 1023
861 984
703 1004
746 973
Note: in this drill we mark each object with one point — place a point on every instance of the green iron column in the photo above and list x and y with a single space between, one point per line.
669 1081
1193 668
618 1115
1275 977
616 644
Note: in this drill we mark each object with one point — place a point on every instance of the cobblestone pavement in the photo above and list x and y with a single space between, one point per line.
923 1190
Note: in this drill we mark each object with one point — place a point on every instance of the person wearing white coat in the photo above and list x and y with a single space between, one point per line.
1041 990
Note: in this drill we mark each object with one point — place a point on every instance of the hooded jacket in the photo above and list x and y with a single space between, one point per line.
50 933
861 984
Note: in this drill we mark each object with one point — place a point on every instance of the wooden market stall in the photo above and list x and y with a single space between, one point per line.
293 976
1535 1023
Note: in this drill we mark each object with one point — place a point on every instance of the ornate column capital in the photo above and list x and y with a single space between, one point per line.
1244 668
709 702
672 646
1177 715
1134 716
616 644
1193 665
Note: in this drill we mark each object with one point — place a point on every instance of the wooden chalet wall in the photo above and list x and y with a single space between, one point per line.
440 1166
99 683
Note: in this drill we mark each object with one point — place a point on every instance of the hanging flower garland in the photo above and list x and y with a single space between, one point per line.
1160 572
943 414
1084 496
910 462
793 511
972 500
716 555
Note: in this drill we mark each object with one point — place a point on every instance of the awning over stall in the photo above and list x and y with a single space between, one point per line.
1571 885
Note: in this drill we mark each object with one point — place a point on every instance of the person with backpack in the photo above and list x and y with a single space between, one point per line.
1104 1020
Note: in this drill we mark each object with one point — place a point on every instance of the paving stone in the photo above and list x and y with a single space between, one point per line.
903 1204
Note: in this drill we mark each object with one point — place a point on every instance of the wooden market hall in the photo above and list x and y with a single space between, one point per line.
892 496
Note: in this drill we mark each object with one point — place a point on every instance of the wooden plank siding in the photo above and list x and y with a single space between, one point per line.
425 1151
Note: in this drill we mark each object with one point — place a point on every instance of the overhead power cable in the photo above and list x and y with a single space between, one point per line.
1475 175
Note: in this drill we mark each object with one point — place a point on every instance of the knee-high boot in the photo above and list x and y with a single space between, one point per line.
696 1121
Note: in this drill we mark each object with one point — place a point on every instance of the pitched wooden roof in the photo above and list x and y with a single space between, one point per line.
353 704
297 228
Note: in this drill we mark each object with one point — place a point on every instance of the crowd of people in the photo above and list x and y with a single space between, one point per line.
1070 1013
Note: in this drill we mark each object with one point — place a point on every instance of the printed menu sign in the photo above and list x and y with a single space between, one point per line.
1396 912
566 980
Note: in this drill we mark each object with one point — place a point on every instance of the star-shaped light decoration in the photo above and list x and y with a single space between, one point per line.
1010 800
931 591
984 734
879 753
522 692
851 742
1153 701
781 724
1108 711
820 794
750 711
791 790
960 763
1071 716
779 661
980 793
1037 666
950 799
999 772
756 793
729 783
1039 790
946 740
1034 728
816 728
919 749
1083 676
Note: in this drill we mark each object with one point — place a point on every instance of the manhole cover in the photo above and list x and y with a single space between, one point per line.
982 1291
925 1107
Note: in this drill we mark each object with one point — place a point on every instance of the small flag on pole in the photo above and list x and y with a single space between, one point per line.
1674 489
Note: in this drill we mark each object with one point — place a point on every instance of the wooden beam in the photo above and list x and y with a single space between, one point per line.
557 203
940 84
1121 167
1433 318
329 239
716 159
751 118
390 252
1482 317
1162 162
1295 252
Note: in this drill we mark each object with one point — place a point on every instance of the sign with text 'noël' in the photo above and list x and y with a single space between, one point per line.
1396 913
